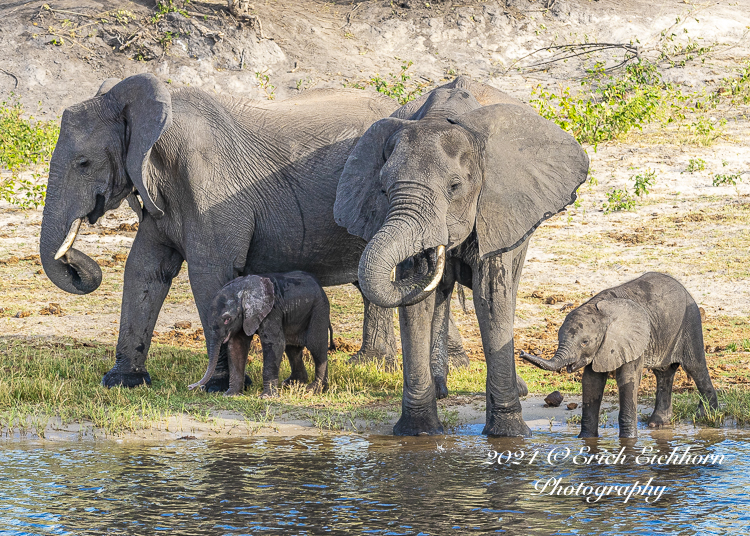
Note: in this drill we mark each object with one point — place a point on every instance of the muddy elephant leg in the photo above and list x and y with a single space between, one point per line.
419 404
299 372
237 347
592 385
439 358
495 283
662 415
378 336
628 378
149 271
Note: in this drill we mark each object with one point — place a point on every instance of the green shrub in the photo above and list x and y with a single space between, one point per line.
643 181
618 199
24 143
696 164
396 86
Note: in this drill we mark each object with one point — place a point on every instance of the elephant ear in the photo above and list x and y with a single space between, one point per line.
627 336
108 84
146 106
361 203
257 302
532 170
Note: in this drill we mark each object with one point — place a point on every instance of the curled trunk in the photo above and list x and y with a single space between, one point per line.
392 245
559 361
68 268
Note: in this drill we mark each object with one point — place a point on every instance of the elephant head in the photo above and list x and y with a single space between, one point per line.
101 158
412 187
242 304
607 334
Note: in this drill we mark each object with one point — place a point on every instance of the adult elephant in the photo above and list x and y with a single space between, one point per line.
231 186
449 189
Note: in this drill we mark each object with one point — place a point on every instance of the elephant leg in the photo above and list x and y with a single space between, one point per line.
456 353
419 405
299 372
149 271
495 284
378 336
662 414
439 357
238 347
628 378
317 343
273 342
592 385
694 363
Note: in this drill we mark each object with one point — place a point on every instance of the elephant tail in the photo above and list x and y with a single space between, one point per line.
332 345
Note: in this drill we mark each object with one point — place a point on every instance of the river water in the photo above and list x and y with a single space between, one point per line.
381 485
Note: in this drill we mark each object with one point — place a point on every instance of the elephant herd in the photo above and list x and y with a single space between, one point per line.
341 184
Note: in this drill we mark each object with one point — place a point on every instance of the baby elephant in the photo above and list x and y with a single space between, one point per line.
651 322
288 311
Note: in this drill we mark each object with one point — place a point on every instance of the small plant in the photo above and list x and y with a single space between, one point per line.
163 7
264 82
696 164
618 199
705 130
166 40
643 181
396 86
573 419
733 179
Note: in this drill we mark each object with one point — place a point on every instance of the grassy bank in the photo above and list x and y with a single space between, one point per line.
46 379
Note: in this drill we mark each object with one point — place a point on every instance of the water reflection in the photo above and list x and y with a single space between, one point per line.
368 485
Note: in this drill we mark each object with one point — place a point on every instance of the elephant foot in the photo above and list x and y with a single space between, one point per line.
388 361
116 378
506 425
628 432
441 387
586 433
289 382
317 387
414 423
659 420
219 384
269 393
233 392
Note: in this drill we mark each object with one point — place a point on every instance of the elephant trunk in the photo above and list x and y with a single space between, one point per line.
394 243
68 268
211 367
559 361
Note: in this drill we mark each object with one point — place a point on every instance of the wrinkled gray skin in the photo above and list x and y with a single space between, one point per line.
231 186
469 168
650 322
289 312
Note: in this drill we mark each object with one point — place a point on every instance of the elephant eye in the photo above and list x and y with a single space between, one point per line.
83 162
454 186
585 342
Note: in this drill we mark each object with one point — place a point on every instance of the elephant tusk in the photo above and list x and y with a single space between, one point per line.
66 245
393 274
439 270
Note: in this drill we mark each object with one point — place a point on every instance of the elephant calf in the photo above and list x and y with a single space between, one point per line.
288 311
651 322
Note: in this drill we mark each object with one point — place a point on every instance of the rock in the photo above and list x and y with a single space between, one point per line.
554 399
572 405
